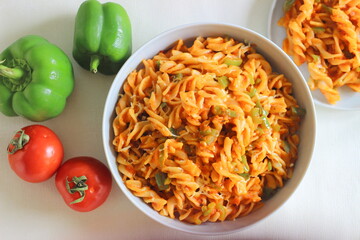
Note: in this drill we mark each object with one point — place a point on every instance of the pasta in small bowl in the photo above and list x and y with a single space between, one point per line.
322 37
208 128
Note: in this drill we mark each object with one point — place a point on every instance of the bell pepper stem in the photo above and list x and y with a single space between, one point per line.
94 63
12 74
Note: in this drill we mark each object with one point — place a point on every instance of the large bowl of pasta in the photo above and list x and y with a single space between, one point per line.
209 128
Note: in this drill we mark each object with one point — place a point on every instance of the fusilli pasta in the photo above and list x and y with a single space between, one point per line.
206 132
325 34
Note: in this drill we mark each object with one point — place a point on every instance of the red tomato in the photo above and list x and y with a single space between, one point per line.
35 153
84 183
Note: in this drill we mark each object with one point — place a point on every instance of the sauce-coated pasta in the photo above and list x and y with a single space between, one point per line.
206 132
325 34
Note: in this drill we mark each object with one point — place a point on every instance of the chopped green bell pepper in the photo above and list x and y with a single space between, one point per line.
36 77
102 37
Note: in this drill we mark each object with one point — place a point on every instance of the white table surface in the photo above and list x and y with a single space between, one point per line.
325 205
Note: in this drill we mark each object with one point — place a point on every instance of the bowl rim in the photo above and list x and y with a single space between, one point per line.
109 113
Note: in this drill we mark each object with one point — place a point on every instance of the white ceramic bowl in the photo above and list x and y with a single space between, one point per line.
280 63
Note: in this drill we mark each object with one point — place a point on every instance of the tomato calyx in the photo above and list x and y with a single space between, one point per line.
18 142
79 186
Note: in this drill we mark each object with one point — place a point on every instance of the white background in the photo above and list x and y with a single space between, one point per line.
325 206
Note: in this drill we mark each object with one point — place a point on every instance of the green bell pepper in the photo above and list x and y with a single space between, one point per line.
36 77
102 37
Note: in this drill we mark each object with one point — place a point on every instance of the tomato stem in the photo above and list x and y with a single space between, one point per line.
79 186
18 142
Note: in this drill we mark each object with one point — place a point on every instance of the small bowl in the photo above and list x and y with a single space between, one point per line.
350 100
279 61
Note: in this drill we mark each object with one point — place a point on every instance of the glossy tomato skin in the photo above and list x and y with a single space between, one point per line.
99 182
40 157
